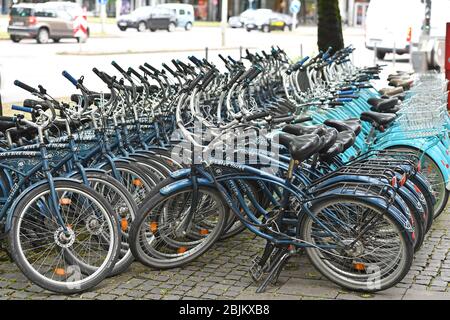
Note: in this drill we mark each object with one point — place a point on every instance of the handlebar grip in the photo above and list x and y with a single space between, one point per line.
232 60
327 54
254 73
21 108
177 65
335 103
210 76
169 69
302 119
25 86
70 78
223 59
155 71
195 61
344 99
235 78
194 82
119 68
282 120
132 71
7 119
256 116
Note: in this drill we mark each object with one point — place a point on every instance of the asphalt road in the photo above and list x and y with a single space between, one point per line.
36 64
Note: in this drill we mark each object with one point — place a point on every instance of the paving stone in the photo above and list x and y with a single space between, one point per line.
106 297
412 294
307 287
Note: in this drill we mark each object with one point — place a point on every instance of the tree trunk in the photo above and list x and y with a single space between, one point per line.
329 26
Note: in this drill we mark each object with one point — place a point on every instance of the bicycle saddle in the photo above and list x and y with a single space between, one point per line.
5 125
300 148
345 125
328 140
347 139
391 91
333 151
382 103
381 119
299 130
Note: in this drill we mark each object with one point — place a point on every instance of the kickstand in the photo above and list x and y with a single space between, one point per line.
275 270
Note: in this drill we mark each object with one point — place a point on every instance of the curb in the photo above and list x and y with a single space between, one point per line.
65 53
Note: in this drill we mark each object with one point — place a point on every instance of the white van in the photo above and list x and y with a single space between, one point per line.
183 12
394 23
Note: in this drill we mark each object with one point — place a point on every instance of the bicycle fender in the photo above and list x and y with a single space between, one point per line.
180 184
25 192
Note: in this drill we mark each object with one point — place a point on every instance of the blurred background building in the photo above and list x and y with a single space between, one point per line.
352 11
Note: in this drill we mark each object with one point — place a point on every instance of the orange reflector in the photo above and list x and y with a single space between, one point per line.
403 180
204 232
359 266
124 224
394 181
291 247
60 272
65 201
430 168
417 189
419 167
181 250
137 182
153 226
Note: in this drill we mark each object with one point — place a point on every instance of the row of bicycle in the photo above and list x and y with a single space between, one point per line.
307 155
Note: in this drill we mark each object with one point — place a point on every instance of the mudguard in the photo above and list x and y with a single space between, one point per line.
180 184
25 192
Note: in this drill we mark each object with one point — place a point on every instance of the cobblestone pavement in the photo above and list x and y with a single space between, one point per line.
223 274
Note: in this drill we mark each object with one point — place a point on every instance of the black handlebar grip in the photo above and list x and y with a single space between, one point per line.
235 78
194 82
146 71
282 120
155 71
232 60
195 61
335 103
134 72
177 65
7 119
223 59
119 68
210 76
302 119
258 115
25 86
255 72
169 69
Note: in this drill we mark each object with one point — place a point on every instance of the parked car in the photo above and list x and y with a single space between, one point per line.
240 20
148 17
267 20
183 12
385 29
45 21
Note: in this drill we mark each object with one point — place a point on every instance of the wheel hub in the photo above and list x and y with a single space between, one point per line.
64 238
93 225
353 249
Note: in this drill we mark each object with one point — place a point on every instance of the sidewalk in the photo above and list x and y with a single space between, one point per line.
222 273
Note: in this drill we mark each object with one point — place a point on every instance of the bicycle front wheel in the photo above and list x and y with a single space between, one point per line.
89 234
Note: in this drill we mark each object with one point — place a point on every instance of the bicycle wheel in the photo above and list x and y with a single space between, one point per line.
135 178
124 207
374 260
39 244
159 236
